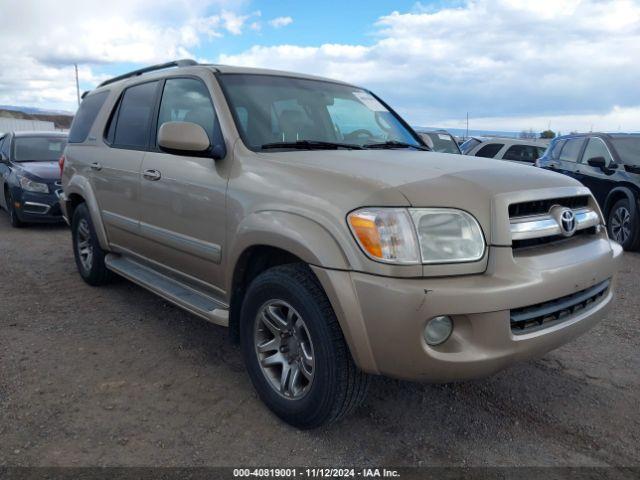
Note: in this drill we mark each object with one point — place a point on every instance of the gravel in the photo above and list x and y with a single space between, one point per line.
117 376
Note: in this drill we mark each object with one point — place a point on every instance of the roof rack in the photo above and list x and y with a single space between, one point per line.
186 62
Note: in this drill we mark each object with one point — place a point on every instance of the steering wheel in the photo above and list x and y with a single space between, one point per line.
358 134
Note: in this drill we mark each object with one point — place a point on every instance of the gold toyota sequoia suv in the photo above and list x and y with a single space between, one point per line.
308 217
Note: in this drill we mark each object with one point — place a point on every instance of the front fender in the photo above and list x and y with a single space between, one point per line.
294 233
627 192
79 185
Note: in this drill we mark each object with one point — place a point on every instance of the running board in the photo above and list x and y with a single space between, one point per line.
172 290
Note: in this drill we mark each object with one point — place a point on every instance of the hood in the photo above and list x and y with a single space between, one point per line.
43 170
419 174
348 179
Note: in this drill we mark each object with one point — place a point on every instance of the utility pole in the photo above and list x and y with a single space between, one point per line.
77 83
467 134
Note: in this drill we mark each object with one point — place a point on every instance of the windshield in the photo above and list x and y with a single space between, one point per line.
38 149
275 110
628 148
440 142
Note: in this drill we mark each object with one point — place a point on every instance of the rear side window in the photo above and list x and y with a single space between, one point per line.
521 153
571 150
85 116
490 150
129 127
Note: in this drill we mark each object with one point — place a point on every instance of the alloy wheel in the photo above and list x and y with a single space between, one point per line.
621 224
284 349
85 248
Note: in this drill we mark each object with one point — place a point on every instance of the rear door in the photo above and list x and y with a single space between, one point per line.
116 170
182 198
599 181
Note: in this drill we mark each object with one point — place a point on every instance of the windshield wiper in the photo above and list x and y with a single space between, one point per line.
396 144
311 145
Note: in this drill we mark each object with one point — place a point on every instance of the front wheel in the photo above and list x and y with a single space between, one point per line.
624 224
294 349
11 210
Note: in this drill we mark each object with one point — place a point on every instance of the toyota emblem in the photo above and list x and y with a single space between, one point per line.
566 220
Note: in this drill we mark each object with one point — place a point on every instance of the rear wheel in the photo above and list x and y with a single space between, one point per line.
11 210
294 349
624 224
88 254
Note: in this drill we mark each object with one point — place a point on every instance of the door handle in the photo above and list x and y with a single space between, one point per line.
152 175
96 166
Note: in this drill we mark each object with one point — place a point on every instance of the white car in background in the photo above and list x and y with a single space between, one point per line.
512 149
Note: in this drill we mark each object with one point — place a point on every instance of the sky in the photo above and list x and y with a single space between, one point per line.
568 65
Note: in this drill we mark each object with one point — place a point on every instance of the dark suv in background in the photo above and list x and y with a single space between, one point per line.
30 176
609 164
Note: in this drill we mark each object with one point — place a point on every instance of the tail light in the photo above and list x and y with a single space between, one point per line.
61 164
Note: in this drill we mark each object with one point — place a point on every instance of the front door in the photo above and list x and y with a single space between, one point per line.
182 198
599 181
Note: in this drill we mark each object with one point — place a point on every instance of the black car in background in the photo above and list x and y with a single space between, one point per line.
30 176
609 164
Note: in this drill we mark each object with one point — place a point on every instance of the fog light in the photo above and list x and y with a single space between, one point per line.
438 330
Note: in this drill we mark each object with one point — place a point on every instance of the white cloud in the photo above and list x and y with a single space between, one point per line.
496 59
48 37
280 22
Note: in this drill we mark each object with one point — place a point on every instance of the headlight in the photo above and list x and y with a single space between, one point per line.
417 235
447 235
385 234
33 186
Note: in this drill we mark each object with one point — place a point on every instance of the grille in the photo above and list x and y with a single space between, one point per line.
554 239
540 207
544 315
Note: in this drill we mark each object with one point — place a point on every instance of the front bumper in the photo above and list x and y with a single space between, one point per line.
383 318
38 207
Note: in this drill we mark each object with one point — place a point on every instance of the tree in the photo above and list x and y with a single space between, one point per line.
548 134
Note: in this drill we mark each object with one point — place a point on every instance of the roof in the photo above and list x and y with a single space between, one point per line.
600 134
538 142
158 71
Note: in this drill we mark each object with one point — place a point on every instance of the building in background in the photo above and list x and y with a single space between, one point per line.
21 125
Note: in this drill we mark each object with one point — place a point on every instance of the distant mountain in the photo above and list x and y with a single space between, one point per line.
61 119
36 111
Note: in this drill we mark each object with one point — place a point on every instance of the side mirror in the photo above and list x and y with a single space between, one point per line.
183 137
601 163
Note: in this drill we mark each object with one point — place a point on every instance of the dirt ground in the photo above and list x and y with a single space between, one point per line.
117 376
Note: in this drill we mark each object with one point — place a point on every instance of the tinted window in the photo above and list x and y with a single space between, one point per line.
596 148
571 150
489 150
522 153
85 116
187 100
38 149
134 116
628 148
467 146
556 148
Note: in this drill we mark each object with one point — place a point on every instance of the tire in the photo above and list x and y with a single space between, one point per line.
624 224
11 210
336 386
88 254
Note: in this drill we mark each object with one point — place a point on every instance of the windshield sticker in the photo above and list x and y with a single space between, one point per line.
443 137
370 102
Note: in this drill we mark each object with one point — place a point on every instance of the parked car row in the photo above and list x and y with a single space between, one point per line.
334 242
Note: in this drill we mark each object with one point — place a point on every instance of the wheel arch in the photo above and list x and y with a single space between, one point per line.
78 191
616 194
